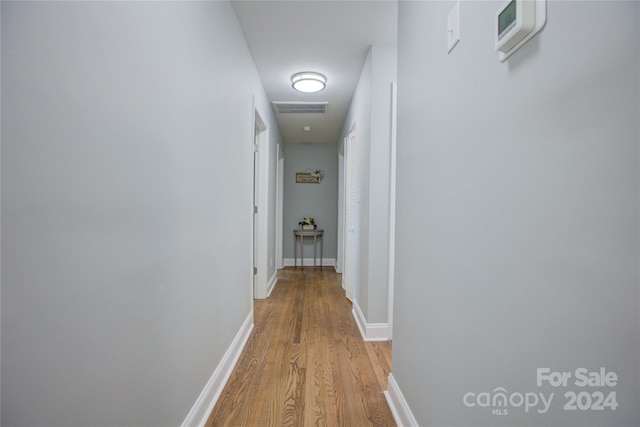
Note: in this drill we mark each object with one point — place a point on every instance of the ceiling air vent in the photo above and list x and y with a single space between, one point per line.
300 107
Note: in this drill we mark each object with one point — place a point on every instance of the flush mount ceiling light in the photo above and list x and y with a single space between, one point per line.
308 82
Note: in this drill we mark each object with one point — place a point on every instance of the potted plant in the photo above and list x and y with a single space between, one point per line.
318 175
307 223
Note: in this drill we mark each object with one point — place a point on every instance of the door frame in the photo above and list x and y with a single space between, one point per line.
260 202
279 208
392 207
340 237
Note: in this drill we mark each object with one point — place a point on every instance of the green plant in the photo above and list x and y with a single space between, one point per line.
307 221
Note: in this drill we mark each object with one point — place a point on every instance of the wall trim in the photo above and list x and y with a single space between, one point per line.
350 295
202 408
369 331
272 283
392 206
326 262
398 405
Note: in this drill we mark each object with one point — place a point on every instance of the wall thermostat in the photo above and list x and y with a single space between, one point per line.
516 22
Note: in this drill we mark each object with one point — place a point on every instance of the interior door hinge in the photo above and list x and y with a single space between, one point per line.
255 148
255 209
255 270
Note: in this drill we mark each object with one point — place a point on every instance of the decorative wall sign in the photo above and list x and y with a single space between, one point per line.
313 177
306 178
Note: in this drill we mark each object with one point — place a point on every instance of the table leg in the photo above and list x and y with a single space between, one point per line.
295 251
314 251
302 252
321 245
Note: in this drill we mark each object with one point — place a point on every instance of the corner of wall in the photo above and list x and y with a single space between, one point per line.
370 331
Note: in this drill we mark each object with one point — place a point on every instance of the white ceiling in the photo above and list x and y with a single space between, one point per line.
328 36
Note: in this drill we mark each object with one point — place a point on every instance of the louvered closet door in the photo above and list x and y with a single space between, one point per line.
351 217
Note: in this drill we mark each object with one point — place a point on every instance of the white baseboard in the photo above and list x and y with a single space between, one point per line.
326 262
351 296
205 403
398 405
272 283
370 331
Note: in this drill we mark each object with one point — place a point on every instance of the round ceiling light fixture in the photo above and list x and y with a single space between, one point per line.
308 82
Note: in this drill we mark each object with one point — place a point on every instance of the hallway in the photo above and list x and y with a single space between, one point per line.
305 362
498 207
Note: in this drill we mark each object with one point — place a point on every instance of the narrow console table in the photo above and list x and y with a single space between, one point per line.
302 234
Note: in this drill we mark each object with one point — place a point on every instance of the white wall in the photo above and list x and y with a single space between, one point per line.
126 207
370 113
319 201
517 212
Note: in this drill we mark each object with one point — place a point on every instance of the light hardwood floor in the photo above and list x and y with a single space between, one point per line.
305 363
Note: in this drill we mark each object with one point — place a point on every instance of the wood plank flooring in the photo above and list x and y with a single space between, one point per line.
305 363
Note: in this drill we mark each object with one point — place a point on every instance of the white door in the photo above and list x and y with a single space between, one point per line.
352 200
